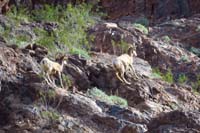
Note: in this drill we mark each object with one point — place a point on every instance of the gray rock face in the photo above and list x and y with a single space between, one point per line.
28 104
178 120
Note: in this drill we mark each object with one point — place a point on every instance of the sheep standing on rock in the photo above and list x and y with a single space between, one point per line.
123 63
50 68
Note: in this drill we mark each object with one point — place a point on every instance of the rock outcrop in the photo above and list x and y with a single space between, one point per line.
29 104
149 100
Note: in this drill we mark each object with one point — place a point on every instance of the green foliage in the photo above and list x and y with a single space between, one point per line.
143 21
196 85
184 58
195 51
166 39
98 94
182 78
141 28
51 115
66 80
121 44
47 14
5 33
118 100
80 52
18 16
156 73
168 77
45 38
20 39
73 22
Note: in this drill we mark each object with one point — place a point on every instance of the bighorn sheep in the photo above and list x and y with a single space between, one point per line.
123 63
50 68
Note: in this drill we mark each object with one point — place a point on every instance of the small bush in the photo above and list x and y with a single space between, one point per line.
184 58
121 44
141 28
156 73
182 78
80 52
195 51
119 101
71 33
48 13
51 115
168 77
5 33
196 85
66 80
18 16
166 39
45 38
100 95
143 21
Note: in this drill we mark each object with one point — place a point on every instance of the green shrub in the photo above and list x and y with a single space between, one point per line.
45 39
195 51
184 58
121 44
80 52
51 115
100 95
143 21
156 73
182 78
196 85
168 77
118 101
66 80
5 33
48 13
71 33
166 39
141 28
18 16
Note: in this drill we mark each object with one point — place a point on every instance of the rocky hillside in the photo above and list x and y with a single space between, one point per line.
164 98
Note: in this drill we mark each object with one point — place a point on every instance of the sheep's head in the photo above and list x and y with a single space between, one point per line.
64 60
132 51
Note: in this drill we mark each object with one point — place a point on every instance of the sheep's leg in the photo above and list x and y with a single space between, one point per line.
122 75
117 74
50 81
134 72
45 77
60 77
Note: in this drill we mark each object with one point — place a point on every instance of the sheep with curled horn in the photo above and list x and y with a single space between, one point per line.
123 63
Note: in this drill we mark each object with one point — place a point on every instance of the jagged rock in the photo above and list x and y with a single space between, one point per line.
21 87
81 104
156 10
176 121
101 74
158 53
181 30
134 128
76 68
106 36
